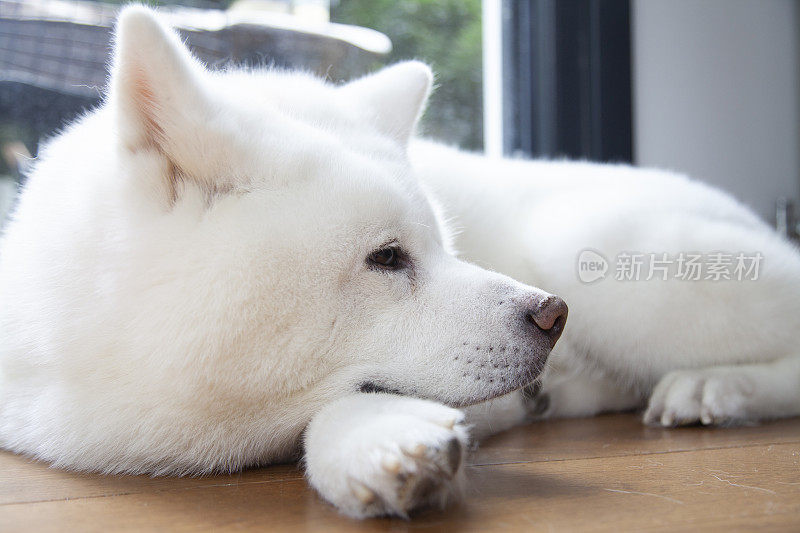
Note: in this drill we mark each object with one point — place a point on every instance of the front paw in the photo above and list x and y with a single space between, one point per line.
711 397
388 458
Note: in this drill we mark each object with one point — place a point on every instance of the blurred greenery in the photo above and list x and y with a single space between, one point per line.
447 35
444 33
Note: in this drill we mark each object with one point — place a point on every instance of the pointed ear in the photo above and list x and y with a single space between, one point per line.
154 82
395 96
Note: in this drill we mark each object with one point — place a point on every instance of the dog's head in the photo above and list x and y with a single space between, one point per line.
289 243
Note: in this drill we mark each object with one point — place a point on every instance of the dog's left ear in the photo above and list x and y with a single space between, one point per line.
157 91
395 96
155 83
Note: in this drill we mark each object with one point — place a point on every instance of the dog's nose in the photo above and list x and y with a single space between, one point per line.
549 316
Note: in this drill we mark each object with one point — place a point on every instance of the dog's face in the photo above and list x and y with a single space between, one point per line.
310 259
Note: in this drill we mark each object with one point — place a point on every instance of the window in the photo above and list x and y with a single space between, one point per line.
447 35
54 55
567 79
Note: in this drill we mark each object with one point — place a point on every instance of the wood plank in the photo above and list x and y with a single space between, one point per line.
621 434
730 488
717 489
24 480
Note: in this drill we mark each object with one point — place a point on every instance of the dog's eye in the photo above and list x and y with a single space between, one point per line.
385 258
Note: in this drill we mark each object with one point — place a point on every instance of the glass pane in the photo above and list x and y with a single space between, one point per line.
54 55
447 35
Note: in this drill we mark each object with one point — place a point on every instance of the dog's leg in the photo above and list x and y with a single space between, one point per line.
561 396
727 394
382 454
581 394
494 416
565 390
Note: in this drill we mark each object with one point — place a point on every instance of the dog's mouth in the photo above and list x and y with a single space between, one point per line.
371 386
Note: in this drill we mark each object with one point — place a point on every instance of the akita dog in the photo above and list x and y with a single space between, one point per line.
215 270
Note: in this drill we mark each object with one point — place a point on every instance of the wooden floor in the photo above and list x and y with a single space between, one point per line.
605 473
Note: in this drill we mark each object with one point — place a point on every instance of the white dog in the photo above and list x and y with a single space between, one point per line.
720 349
211 264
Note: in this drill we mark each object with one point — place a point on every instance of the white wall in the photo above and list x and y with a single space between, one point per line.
717 93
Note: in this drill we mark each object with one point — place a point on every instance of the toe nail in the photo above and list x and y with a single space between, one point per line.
449 423
417 450
453 455
391 464
363 493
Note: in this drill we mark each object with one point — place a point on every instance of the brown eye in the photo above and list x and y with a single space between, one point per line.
385 258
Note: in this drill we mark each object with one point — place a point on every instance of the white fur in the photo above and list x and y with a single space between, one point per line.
185 282
393 453
185 286
736 343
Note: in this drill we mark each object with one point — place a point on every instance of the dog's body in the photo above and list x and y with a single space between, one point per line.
715 350
211 263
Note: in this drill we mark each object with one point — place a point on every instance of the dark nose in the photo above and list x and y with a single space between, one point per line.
549 316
